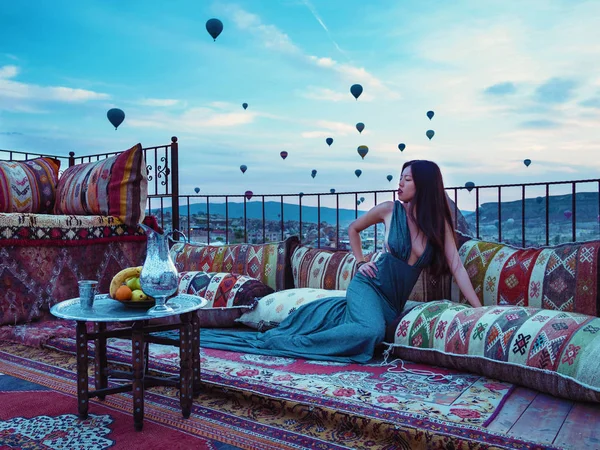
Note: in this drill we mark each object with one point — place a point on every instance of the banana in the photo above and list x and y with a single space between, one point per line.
122 276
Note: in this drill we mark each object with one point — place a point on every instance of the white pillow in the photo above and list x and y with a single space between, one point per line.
272 309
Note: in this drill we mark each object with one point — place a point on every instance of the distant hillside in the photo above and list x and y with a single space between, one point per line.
587 210
254 210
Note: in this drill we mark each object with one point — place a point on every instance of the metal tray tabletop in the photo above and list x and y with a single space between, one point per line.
106 309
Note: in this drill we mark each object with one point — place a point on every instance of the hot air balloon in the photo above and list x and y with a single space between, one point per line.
539 199
214 27
362 199
469 185
568 214
245 105
301 194
527 162
356 90
197 190
389 177
430 134
329 141
362 151
332 191
283 154
357 172
248 194
115 116
401 147
357 202
313 173
360 126
430 114
243 168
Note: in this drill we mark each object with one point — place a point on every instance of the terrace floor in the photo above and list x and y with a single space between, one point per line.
549 420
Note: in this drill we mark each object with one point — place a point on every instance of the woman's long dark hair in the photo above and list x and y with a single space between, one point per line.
433 212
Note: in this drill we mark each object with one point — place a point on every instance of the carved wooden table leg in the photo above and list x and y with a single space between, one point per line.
137 362
186 373
81 341
196 351
101 376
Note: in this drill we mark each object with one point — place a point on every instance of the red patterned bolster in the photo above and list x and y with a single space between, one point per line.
269 263
561 278
51 230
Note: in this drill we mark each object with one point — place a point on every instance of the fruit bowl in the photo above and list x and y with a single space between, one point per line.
139 304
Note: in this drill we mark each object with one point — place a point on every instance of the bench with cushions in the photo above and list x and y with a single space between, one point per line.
538 326
58 228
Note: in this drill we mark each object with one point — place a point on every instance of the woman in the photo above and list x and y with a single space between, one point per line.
347 329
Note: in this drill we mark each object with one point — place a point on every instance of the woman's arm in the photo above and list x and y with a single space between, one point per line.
458 269
377 214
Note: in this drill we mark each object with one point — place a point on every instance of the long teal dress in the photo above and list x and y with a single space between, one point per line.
343 329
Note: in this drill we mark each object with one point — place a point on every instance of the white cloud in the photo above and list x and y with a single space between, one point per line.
193 120
161 102
17 96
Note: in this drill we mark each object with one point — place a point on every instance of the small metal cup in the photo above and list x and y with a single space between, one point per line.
87 292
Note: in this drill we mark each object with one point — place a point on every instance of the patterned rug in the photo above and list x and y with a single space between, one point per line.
262 402
49 422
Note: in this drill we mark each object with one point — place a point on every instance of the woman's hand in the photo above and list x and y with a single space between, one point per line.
368 269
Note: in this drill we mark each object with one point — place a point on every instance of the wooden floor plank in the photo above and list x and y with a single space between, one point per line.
515 405
542 420
581 428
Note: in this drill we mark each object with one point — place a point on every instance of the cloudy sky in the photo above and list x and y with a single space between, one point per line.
508 80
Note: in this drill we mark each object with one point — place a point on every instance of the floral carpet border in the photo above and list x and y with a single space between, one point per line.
417 426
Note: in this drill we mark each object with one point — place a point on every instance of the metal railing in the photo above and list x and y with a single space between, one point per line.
525 214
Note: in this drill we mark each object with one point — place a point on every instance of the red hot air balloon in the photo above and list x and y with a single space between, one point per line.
248 194
283 154
362 151
568 214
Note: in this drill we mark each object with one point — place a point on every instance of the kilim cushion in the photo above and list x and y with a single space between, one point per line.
229 295
550 351
562 278
269 263
28 186
274 308
325 269
115 186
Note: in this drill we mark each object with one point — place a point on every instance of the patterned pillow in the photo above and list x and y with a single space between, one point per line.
325 269
551 351
269 263
28 186
115 186
562 277
229 295
272 309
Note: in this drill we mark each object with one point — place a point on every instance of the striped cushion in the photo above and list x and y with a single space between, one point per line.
115 186
550 351
324 269
562 277
28 186
269 263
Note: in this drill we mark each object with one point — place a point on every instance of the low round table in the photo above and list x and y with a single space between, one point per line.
105 310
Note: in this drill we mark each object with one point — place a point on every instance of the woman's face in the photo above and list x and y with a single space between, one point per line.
406 187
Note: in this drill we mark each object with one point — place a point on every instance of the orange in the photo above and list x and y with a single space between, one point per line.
123 293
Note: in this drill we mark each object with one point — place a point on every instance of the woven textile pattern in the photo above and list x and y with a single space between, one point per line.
268 263
551 351
33 278
115 186
28 186
325 269
560 278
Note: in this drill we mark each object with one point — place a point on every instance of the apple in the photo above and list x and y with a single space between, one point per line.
134 284
138 296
